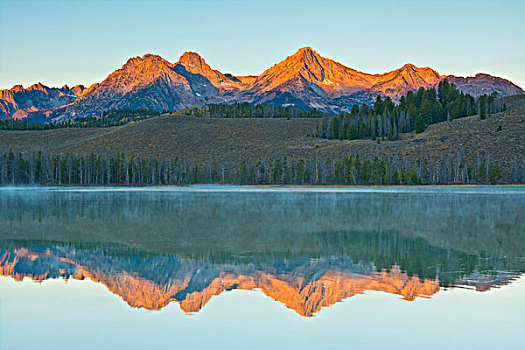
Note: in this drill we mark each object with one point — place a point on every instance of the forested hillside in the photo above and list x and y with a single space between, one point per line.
181 149
246 110
414 112
113 117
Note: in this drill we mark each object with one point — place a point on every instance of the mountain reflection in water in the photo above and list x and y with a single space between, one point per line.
305 250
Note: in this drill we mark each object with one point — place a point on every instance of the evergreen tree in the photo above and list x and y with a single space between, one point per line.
419 124
482 109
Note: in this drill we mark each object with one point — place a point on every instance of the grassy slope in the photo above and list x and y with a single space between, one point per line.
233 140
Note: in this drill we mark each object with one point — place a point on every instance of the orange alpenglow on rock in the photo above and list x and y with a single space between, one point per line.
307 298
297 293
192 283
304 79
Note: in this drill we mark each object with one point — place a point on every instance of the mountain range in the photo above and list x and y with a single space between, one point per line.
152 283
304 79
304 285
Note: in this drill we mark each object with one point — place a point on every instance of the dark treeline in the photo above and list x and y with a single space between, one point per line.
109 118
39 168
246 110
414 112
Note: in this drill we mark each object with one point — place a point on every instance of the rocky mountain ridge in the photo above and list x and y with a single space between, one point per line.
304 79
305 286
18 101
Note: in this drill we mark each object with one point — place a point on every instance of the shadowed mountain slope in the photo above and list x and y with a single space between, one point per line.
18 102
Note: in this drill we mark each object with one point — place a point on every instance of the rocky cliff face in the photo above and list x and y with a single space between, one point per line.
305 80
328 78
217 82
142 82
18 102
485 84
407 78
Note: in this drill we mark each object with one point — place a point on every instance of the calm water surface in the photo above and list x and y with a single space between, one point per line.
239 267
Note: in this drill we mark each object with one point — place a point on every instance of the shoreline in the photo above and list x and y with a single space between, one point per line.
188 186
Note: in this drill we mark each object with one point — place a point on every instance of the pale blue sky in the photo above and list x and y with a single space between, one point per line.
85 315
58 42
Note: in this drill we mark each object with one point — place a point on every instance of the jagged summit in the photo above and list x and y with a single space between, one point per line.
18 102
194 63
38 86
304 79
306 49
17 88
146 58
310 63
150 56
407 78
306 53
190 57
409 66
323 76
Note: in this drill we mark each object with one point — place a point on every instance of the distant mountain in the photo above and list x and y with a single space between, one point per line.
323 83
407 78
152 82
305 80
142 82
18 102
485 84
306 68
192 66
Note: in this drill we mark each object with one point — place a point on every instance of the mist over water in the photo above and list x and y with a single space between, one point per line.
307 248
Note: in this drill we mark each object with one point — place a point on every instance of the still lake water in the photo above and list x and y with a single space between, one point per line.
238 267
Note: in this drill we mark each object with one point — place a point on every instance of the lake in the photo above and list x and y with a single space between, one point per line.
230 267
